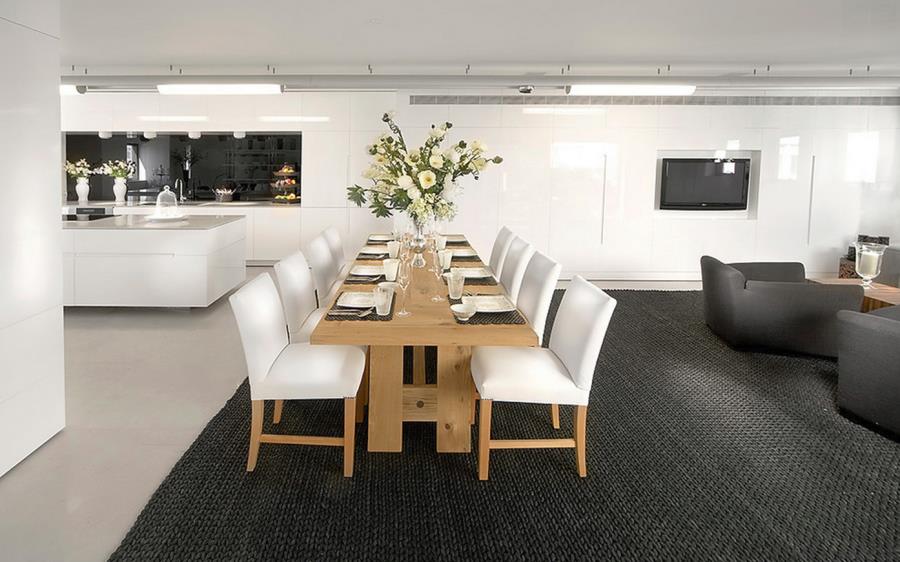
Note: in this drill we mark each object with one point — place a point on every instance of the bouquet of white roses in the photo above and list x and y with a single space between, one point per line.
79 169
419 181
117 168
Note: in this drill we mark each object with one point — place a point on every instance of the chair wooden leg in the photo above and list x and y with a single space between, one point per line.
256 425
554 415
484 438
279 407
419 365
349 434
581 439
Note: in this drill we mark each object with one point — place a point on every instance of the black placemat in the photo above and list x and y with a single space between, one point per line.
484 282
372 257
457 242
351 281
486 318
351 317
466 258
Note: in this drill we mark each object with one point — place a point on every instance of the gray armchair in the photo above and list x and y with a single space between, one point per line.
772 305
890 267
869 366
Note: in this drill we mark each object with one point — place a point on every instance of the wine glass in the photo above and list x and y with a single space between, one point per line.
403 278
438 272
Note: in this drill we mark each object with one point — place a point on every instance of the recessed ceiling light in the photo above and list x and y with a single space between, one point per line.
294 119
218 89
149 135
239 134
104 134
630 90
174 118
194 135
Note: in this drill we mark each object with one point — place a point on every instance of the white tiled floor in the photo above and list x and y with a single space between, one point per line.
140 386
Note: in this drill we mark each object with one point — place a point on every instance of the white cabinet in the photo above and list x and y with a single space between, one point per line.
323 181
276 232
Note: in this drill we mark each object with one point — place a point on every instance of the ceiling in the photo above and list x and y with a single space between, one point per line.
538 36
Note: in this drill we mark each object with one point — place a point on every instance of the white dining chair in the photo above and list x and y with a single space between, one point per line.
324 269
336 245
279 370
498 252
513 268
559 374
298 296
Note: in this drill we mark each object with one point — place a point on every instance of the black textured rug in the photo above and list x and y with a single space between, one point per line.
695 452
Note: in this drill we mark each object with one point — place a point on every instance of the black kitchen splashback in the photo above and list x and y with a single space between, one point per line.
246 165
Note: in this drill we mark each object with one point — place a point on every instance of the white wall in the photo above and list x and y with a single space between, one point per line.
581 187
31 327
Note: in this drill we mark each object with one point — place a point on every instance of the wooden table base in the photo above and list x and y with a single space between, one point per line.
448 403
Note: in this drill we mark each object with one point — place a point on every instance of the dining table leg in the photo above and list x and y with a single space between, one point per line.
419 364
454 389
385 398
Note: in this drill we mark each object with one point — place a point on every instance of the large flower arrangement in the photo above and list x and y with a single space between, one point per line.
116 168
419 181
79 169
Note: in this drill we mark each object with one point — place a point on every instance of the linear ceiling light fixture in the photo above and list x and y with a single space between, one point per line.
218 89
295 119
630 90
174 118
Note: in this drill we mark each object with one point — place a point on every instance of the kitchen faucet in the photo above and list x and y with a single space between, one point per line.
179 185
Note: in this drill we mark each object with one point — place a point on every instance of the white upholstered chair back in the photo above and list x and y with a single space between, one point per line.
514 265
536 292
298 290
260 321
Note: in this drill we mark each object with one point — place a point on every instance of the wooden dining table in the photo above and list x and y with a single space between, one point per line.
450 402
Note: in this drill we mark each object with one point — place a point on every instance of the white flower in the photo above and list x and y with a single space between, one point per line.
427 179
371 172
438 132
478 145
451 190
436 160
380 158
451 155
413 193
405 182
479 163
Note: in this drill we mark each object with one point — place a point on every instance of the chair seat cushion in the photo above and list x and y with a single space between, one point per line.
304 371
524 374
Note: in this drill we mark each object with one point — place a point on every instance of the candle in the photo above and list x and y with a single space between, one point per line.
867 264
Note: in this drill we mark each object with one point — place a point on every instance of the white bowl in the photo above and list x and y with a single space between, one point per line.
462 312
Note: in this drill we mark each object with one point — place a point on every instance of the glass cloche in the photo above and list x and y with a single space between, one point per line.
167 205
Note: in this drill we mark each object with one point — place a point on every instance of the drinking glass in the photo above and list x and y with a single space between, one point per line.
391 267
455 282
404 276
445 256
436 260
393 249
382 300
441 241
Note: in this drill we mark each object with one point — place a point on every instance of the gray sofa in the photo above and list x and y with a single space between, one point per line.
890 267
772 305
869 366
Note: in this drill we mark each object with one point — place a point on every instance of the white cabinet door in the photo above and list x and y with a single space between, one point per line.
276 233
324 169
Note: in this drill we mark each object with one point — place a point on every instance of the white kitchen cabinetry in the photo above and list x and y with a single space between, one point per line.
276 233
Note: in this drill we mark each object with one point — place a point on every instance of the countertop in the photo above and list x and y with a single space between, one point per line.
139 222
204 204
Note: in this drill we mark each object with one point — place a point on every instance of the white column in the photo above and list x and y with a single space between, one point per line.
32 407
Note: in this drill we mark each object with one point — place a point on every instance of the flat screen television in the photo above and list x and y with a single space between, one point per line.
700 184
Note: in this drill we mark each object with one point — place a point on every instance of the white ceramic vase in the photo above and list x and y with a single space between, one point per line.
120 188
83 189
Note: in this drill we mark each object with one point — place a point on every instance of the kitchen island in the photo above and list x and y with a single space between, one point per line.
130 261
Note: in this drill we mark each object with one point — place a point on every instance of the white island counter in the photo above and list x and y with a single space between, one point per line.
130 261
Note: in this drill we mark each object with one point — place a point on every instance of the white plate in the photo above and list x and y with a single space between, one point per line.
356 299
367 270
465 253
474 272
490 303
374 250
380 238
156 218
456 238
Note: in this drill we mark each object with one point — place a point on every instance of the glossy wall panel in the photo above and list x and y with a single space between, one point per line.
31 335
